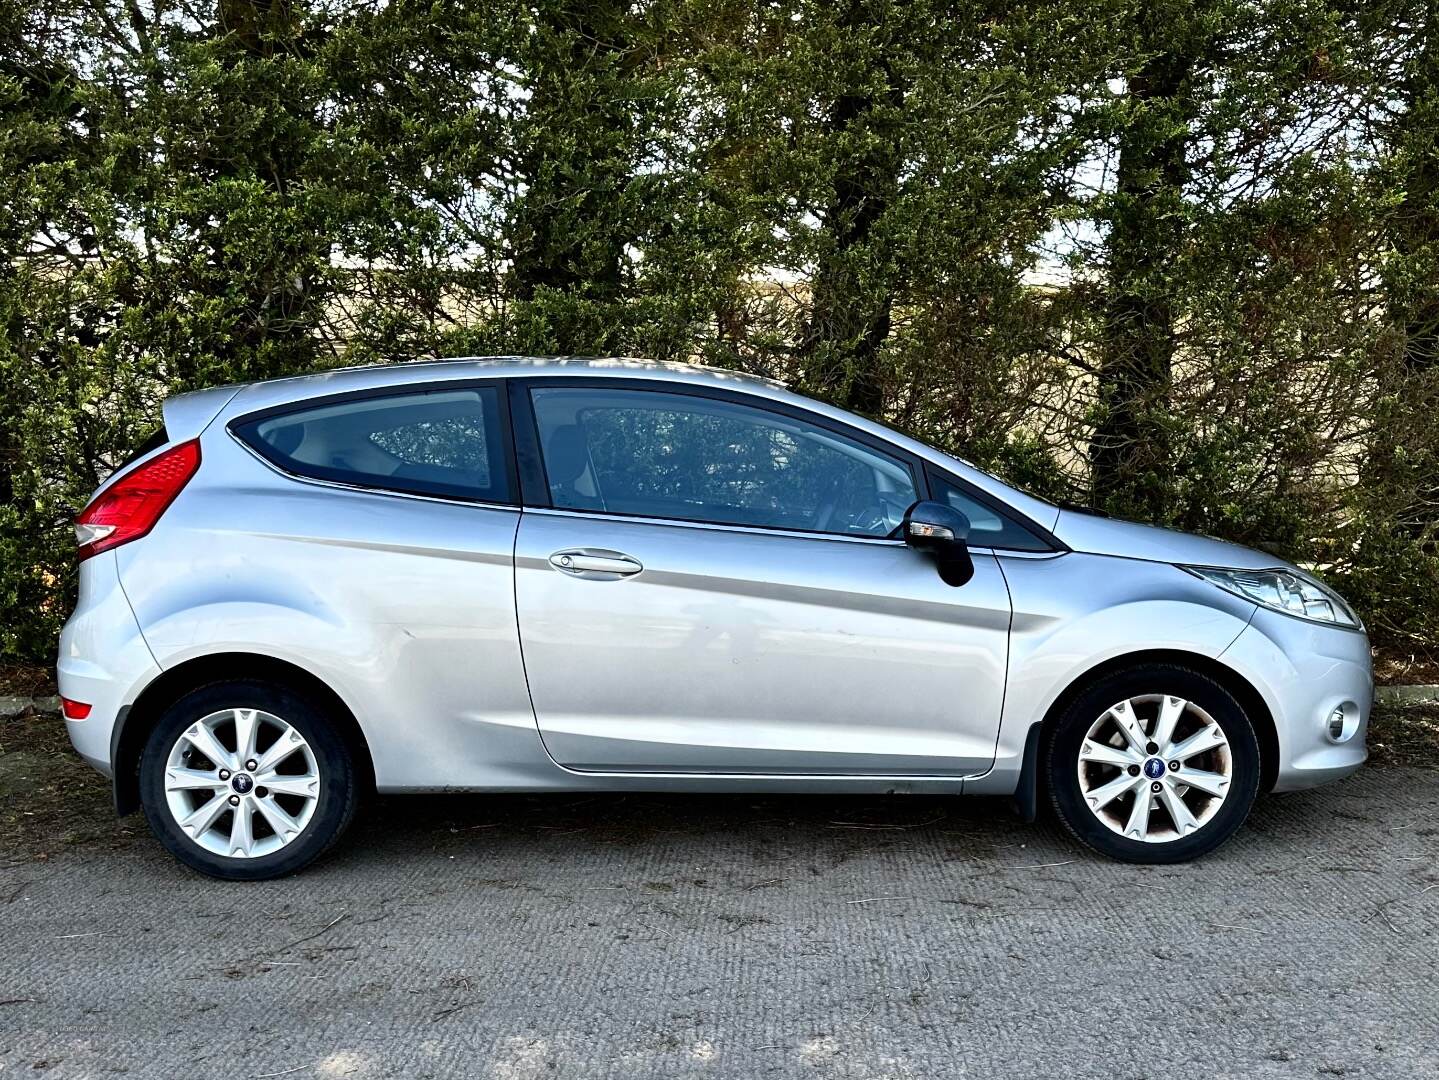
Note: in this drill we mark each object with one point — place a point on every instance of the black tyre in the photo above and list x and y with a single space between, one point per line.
1154 764
247 780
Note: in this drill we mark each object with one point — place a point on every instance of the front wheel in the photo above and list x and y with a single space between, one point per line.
1154 764
246 780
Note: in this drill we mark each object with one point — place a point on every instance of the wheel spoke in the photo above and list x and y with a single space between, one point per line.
1105 794
201 819
182 779
1137 826
284 825
203 740
288 742
1207 738
1211 783
242 829
247 729
1169 713
307 785
1129 724
1103 754
1179 813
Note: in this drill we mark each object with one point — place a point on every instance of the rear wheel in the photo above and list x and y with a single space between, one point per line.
246 780
1155 764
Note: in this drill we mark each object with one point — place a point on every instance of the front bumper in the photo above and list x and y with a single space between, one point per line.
1304 671
104 661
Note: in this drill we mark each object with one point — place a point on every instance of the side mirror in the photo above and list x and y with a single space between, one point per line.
942 532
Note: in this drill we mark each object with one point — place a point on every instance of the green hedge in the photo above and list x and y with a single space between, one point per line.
1177 259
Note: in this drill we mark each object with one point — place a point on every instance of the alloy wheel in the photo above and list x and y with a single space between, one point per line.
1155 768
242 783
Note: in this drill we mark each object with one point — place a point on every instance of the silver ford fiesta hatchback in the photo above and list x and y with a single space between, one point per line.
535 575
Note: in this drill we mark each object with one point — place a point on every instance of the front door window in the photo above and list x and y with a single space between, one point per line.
659 454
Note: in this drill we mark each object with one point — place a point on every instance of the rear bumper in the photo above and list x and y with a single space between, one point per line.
1305 671
104 661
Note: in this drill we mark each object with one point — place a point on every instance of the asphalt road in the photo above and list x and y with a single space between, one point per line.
613 936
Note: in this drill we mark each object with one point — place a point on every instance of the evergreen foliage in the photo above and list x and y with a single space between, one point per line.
1178 259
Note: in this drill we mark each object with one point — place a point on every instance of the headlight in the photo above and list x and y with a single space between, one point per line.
1283 590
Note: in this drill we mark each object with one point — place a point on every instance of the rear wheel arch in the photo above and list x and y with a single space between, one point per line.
139 719
1242 690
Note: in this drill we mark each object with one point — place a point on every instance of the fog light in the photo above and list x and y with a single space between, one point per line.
1342 723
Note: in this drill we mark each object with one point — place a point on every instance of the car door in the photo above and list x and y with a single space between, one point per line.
714 587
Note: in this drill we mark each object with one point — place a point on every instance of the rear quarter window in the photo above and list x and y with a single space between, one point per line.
448 443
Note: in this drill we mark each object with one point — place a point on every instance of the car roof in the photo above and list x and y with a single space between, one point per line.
428 370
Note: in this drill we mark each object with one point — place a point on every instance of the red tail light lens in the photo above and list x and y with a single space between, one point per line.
129 508
74 710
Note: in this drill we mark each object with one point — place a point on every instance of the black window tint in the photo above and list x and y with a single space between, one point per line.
672 455
987 526
443 442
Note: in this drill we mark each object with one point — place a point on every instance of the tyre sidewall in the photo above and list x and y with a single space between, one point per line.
1062 759
334 807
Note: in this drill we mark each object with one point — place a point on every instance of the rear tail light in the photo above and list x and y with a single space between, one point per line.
129 508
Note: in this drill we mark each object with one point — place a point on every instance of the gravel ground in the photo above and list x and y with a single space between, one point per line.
741 937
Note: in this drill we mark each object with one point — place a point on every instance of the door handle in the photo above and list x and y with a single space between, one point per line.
589 562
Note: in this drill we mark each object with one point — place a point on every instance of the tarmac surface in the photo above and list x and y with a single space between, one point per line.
736 936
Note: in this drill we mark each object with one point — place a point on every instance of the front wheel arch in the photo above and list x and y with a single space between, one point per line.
134 725
1028 794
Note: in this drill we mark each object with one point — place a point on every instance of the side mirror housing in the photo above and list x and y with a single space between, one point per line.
942 532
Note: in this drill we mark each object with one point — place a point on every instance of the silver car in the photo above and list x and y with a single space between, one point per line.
539 575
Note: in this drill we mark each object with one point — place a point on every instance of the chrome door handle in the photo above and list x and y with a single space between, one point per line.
587 562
